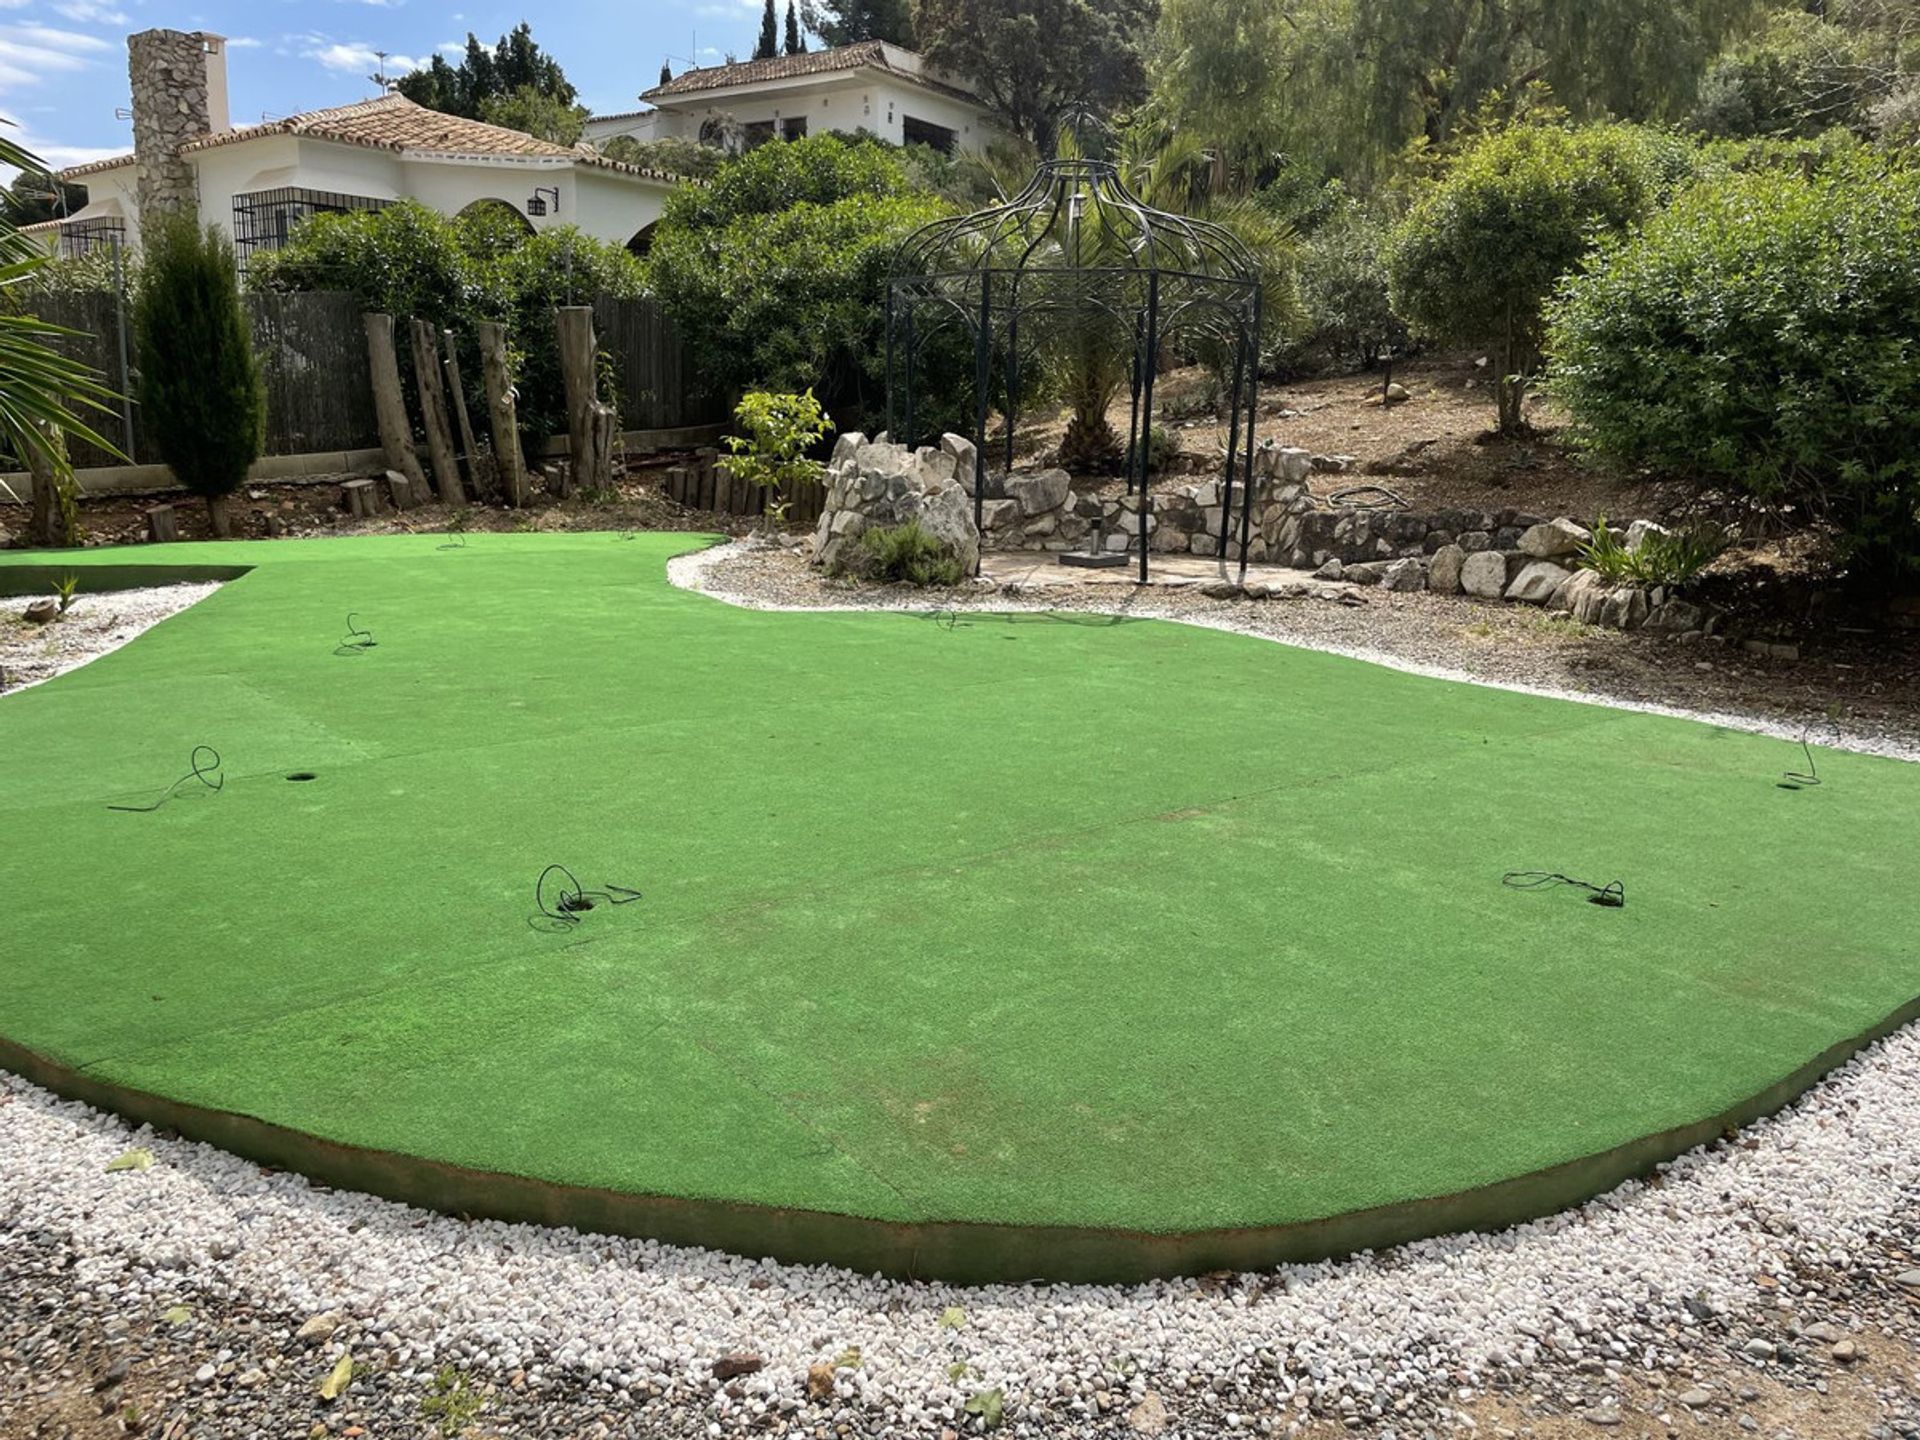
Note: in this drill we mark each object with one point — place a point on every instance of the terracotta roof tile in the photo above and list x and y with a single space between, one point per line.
868 54
393 122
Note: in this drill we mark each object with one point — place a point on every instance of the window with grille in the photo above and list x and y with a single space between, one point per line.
84 237
263 219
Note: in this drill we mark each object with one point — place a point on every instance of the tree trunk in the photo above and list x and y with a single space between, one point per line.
48 526
590 422
389 404
433 409
458 396
509 464
220 517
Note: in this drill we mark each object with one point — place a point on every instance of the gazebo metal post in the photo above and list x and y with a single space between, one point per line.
982 375
1150 358
912 387
893 298
1133 424
1233 447
1250 347
1013 374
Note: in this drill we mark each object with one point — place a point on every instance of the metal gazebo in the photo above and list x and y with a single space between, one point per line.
1078 249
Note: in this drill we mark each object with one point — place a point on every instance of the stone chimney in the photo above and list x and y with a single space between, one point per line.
179 94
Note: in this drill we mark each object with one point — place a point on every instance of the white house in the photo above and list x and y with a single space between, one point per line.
257 180
871 86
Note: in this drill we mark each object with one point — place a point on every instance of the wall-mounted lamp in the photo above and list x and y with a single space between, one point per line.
537 202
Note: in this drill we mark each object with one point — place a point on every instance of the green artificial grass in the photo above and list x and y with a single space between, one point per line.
1031 921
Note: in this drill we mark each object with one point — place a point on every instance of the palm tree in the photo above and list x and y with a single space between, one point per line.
41 389
1086 364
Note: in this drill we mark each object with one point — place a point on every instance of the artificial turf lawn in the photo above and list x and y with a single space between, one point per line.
1033 920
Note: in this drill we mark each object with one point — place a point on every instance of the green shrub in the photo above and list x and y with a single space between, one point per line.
776 274
772 450
907 552
1760 333
201 397
1797 77
676 157
1482 249
1343 289
1662 557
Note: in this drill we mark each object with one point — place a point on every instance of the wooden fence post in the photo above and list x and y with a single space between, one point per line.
389 405
458 393
433 409
591 423
509 464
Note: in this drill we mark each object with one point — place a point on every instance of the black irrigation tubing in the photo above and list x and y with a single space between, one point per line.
207 772
1612 895
457 543
356 641
1389 500
562 905
1810 777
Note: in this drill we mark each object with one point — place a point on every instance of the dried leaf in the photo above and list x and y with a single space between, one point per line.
178 1315
138 1158
819 1381
847 1359
953 1318
989 1405
338 1381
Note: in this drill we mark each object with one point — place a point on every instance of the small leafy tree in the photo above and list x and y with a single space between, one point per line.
1759 334
536 113
775 274
778 430
1479 253
199 386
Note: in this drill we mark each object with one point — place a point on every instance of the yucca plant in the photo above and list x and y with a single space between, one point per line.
43 392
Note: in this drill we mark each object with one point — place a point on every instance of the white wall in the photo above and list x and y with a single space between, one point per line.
845 102
603 203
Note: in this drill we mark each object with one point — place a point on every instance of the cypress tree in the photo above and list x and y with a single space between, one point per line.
795 45
769 45
201 398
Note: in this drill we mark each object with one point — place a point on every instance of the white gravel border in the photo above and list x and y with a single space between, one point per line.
1827 1183
96 624
690 572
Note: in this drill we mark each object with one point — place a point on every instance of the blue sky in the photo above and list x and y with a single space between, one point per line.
63 63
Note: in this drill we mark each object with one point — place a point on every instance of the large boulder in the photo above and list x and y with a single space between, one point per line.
1554 539
876 484
1443 574
1040 493
1484 574
1536 582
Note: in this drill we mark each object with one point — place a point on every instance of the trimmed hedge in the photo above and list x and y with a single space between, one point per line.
1764 333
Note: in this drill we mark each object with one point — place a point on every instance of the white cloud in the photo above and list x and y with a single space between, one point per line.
243 42
55 155
92 12
31 54
358 59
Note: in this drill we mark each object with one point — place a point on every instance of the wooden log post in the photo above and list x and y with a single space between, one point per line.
389 404
402 491
362 499
591 423
457 394
509 465
161 526
433 410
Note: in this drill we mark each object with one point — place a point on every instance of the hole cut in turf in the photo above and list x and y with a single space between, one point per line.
303 775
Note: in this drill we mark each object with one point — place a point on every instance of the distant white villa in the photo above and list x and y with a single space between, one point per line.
872 86
256 181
